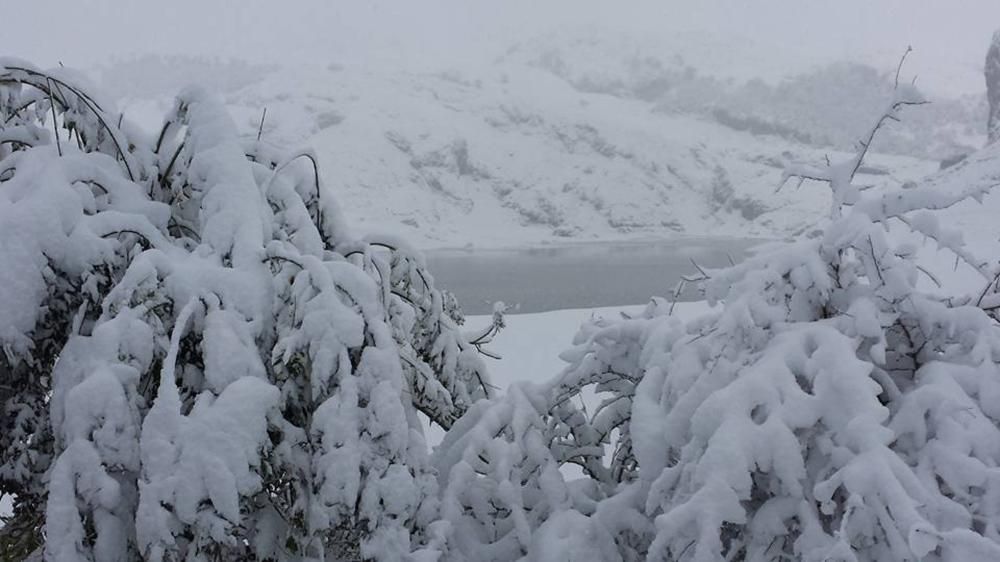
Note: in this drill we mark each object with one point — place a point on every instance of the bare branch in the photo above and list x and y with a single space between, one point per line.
52 106
902 60
260 129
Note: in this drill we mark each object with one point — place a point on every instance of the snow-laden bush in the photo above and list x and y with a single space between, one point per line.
198 361
830 408
834 406
499 480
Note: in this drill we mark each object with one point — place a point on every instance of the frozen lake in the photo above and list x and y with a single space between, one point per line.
576 276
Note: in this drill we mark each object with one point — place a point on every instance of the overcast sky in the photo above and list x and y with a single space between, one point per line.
738 37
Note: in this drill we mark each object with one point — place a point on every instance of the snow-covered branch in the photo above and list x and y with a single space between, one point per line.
199 361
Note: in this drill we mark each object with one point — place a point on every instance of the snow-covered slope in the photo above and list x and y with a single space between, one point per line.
515 154
824 104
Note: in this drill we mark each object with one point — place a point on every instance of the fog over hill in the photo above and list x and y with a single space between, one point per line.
521 124
556 141
744 40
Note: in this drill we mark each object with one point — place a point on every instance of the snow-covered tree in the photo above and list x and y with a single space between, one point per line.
499 479
200 362
503 467
831 407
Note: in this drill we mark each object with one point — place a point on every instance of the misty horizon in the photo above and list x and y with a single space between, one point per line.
768 40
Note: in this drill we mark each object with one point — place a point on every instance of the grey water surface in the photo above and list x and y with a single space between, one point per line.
578 275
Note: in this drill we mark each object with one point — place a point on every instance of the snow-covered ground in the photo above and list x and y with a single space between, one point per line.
531 343
527 151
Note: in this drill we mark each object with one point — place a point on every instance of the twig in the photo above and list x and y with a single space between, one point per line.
173 160
933 277
163 134
698 267
878 268
319 195
88 101
993 283
260 129
899 68
678 289
52 106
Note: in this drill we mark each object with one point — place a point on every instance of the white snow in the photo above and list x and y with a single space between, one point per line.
230 368
6 506
530 345
513 154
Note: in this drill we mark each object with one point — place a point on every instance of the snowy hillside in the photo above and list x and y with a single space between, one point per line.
516 154
823 104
